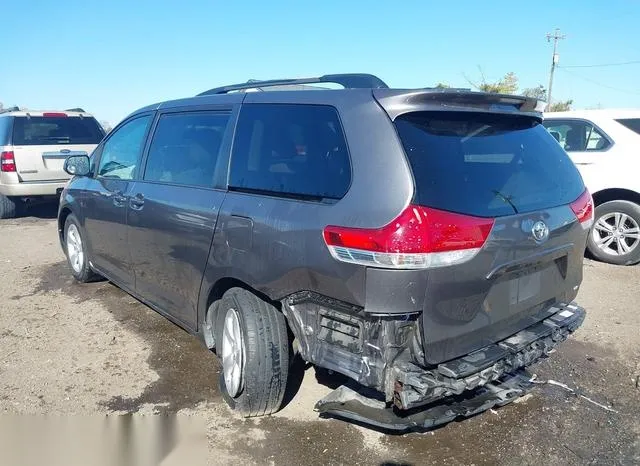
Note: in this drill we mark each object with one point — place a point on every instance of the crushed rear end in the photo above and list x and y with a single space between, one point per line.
471 283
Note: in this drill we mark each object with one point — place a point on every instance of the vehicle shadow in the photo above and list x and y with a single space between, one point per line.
294 380
40 210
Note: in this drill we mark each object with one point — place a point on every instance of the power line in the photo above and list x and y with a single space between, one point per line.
602 65
626 91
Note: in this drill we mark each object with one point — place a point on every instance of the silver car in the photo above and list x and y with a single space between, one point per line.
33 148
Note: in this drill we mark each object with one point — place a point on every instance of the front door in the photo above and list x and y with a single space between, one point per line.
174 206
106 199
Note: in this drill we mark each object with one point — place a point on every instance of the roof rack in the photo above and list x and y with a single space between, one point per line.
77 109
349 81
10 109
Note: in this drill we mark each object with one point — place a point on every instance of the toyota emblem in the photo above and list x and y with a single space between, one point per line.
540 231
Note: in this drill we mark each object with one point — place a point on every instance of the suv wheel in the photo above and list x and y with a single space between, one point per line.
252 340
8 207
615 236
76 251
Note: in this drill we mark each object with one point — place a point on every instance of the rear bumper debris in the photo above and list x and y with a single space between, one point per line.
491 376
347 404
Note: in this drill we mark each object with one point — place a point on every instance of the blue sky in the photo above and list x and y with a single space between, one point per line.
112 57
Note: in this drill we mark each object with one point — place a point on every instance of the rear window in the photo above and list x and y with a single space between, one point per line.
486 165
36 131
291 151
632 123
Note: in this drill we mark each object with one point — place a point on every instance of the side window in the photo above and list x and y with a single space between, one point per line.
577 135
121 152
290 150
185 148
632 123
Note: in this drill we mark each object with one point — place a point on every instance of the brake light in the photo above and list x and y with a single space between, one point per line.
419 238
583 208
54 114
7 162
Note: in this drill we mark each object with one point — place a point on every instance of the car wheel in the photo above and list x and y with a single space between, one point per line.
615 236
252 341
75 249
8 207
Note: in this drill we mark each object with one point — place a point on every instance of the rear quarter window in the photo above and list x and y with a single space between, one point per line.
290 150
37 131
486 165
5 130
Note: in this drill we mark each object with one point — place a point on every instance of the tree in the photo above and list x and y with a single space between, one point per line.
442 86
1 106
538 92
560 106
508 84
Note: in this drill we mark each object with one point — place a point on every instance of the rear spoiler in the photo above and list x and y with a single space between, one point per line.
397 101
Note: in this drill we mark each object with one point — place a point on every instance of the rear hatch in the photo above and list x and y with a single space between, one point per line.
505 173
42 143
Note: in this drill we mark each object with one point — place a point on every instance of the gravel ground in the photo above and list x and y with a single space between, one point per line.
67 348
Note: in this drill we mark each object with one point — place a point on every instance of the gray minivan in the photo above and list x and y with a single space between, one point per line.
426 243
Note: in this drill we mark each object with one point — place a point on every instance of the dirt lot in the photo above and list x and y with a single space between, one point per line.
67 348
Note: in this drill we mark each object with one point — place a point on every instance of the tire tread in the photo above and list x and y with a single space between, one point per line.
266 351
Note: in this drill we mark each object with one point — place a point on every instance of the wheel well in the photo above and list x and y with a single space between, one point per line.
219 289
616 194
62 218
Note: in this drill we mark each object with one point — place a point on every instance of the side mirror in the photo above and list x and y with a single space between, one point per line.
77 165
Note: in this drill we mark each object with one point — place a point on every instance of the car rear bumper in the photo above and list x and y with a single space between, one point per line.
491 376
35 188
414 386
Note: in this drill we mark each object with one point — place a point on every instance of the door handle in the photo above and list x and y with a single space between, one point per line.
118 199
137 202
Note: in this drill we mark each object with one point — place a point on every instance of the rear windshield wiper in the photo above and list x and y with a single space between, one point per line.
506 199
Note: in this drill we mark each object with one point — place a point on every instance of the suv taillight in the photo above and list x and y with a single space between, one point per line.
7 162
419 238
583 208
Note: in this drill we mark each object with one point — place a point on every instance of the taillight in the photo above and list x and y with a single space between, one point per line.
54 115
7 162
583 208
419 238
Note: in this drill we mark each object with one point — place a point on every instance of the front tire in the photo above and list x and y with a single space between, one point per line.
252 341
75 249
615 235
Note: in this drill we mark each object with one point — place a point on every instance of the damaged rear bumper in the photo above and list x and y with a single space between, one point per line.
491 376
346 403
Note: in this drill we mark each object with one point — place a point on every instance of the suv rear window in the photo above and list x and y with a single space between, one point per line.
632 123
486 165
36 131
290 150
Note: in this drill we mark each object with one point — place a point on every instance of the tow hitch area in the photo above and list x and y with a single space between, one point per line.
346 403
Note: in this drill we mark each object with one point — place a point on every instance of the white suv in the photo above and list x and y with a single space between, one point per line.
605 146
33 148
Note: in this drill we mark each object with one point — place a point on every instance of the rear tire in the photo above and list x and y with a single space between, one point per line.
612 219
264 359
8 207
75 248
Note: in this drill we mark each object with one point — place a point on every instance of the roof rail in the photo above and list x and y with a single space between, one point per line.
10 109
349 81
77 109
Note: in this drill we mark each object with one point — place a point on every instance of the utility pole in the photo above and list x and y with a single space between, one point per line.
554 60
